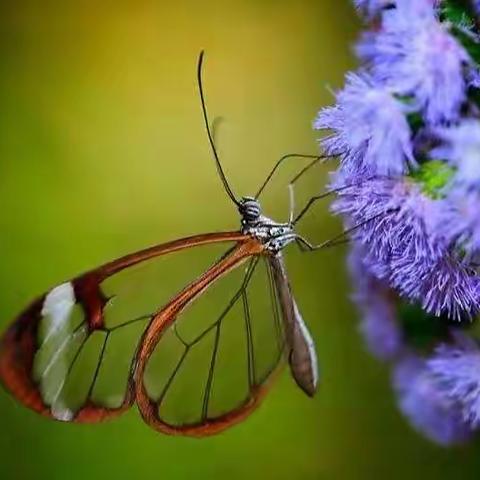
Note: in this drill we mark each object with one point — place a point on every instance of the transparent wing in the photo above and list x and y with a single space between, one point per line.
211 366
70 354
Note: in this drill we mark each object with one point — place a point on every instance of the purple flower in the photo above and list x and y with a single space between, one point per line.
473 78
429 411
476 6
417 7
407 131
461 149
371 132
456 370
443 286
390 216
415 55
378 306
398 226
371 7
459 222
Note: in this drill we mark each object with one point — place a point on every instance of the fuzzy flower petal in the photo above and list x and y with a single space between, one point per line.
377 303
390 215
397 224
456 369
371 132
461 149
371 7
419 8
459 221
473 78
429 411
445 286
476 6
415 55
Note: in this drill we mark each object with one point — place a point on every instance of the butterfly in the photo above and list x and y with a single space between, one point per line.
58 356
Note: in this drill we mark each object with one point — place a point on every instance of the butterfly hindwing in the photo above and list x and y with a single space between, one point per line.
212 364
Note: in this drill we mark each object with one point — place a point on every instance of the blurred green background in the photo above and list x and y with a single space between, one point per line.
102 151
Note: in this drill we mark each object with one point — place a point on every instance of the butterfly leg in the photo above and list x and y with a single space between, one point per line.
291 186
340 239
305 246
291 192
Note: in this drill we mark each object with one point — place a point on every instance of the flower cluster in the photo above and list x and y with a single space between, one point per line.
406 128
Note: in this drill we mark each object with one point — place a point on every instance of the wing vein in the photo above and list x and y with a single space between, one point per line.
276 313
129 322
60 349
69 370
173 375
99 365
249 338
248 324
208 386
231 303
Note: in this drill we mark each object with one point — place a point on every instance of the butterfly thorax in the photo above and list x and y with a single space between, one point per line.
275 236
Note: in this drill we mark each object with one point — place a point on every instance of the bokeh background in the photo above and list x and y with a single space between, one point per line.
102 151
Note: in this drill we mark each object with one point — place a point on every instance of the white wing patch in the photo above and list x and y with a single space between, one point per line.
58 306
62 413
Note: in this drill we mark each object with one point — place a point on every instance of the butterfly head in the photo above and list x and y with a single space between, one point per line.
249 209
275 236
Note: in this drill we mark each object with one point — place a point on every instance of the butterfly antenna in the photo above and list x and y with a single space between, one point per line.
220 171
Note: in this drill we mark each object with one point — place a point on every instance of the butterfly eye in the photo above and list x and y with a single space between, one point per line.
249 209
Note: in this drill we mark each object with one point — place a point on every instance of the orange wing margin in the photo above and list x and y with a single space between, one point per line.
19 344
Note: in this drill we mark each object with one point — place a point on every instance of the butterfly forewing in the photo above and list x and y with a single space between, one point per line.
70 354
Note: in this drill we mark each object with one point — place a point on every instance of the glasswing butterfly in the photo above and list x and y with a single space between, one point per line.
58 356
